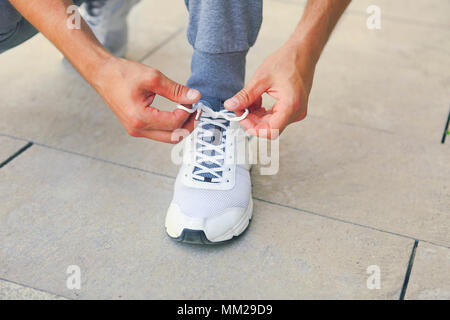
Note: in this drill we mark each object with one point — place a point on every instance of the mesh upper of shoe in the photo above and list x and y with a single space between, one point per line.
205 203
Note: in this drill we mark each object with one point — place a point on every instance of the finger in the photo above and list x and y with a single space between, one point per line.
271 124
256 114
190 123
276 122
247 96
175 91
255 117
156 119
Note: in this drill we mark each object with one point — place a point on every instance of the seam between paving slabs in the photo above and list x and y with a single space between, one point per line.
408 270
33 288
256 198
446 130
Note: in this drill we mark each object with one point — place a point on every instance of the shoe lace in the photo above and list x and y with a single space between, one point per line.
210 154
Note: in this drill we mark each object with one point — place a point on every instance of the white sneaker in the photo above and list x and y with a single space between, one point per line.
108 21
212 199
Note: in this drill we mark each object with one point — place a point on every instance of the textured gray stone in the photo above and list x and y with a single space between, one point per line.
66 210
430 278
363 176
152 23
12 291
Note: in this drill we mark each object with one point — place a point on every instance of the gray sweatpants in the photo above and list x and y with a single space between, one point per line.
220 31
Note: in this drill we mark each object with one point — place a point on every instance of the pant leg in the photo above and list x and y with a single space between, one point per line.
221 32
14 29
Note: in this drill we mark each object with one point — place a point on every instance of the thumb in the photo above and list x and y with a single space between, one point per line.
176 92
246 97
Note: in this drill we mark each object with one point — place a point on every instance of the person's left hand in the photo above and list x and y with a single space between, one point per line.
287 76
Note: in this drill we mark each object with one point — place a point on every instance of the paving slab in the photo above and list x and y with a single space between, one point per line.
9 146
430 277
67 210
152 23
367 177
12 291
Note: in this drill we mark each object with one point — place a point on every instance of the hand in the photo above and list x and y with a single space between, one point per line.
129 89
287 76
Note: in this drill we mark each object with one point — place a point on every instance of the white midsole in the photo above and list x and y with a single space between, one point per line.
223 227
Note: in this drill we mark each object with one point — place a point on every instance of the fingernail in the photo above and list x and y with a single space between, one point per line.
193 94
231 103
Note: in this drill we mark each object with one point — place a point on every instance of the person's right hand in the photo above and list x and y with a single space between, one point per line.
129 89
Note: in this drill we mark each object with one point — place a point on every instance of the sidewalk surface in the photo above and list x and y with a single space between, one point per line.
363 181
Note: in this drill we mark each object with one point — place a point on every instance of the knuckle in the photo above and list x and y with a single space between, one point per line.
258 79
134 133
177 90
301 116
155 77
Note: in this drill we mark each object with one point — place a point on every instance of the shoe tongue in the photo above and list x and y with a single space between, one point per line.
215 138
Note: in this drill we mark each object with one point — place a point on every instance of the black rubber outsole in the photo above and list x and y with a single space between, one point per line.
199 237
193 237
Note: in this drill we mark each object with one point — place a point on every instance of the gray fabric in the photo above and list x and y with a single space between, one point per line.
218 75
221 32
219 26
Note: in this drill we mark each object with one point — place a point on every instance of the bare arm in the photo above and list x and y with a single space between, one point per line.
127 87
287 74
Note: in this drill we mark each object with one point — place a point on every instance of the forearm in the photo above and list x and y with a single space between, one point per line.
79 46
315 27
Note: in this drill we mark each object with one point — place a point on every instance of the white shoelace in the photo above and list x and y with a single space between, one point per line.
205 148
